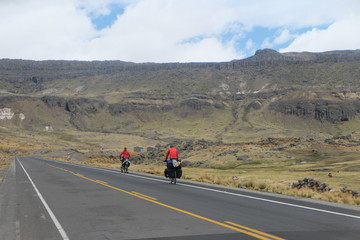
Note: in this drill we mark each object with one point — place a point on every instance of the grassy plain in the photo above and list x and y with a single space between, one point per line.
265 165
269 180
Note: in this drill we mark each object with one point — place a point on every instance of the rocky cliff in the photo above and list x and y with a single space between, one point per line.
222 100
318 109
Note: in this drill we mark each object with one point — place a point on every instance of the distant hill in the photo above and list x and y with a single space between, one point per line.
268 94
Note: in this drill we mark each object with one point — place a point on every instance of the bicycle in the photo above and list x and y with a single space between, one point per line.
173 171
125 166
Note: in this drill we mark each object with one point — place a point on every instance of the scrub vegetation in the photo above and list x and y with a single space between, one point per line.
269 165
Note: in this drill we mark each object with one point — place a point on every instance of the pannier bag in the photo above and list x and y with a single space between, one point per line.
178 173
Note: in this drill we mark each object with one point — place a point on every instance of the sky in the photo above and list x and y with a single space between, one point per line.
174 30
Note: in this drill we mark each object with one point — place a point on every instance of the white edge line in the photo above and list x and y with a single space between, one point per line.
230 193
256 198
52 215
273 201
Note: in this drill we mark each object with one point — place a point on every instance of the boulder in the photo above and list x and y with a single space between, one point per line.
312 184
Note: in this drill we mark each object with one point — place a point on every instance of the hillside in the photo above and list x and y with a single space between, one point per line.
269 94
259 123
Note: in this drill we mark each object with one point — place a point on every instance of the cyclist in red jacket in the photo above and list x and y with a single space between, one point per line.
172 152
173 168
124 158
124 155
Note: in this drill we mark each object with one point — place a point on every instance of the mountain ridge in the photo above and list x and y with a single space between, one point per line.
226 101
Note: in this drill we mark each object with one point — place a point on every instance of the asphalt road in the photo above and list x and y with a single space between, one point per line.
44 199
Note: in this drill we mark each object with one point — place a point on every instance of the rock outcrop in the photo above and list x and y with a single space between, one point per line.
311 184
353 193
88 105
324 110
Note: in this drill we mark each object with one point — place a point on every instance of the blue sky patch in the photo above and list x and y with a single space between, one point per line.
194 39
104 21
258 36
248 41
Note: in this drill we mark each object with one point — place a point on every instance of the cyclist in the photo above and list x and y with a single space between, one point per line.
172 154
124 158
173 163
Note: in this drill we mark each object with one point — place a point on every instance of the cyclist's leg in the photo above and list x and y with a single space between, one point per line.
122 166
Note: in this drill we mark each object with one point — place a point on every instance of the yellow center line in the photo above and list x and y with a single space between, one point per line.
99 181
252 232
255 231
144 195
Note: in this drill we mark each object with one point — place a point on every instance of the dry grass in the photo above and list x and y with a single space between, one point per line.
271 181
262 168
4 164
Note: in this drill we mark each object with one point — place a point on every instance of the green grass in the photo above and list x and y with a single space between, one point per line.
66 137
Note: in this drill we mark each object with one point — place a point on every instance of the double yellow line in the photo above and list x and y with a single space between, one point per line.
227 224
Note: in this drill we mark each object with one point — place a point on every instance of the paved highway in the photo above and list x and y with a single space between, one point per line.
44 199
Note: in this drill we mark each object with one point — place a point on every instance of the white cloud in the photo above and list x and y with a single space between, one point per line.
343 34
216 51
284 37
157 30
267 43
249 45
40 29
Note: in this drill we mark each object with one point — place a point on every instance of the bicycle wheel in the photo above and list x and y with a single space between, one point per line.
175 177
